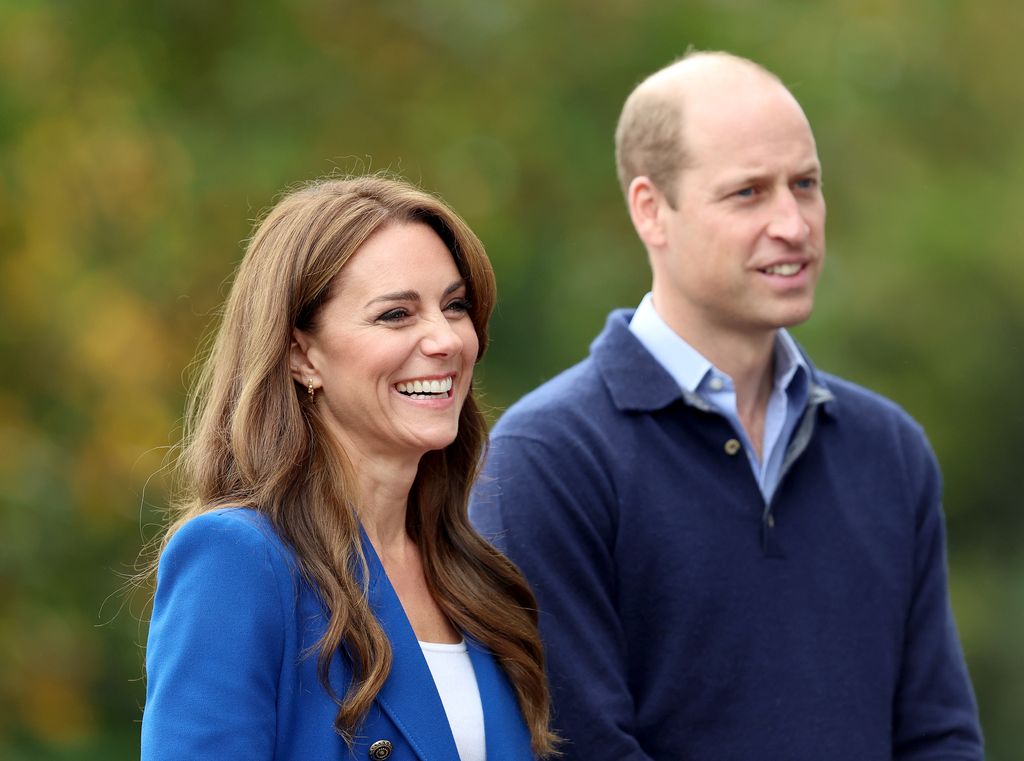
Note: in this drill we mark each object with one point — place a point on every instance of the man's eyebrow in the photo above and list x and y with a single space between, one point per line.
755 175
812 167
739 180
414 295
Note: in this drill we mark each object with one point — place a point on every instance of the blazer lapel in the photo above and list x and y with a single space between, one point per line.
408 696
505 732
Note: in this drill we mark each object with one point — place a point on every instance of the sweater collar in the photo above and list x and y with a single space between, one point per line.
637 382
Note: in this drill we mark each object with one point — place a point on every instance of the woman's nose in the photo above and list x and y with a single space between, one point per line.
441 339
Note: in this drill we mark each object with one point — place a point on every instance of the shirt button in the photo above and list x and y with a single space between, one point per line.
732 446
716 384
381 750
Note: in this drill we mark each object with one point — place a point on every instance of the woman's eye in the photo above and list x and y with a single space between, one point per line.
460 306
393 315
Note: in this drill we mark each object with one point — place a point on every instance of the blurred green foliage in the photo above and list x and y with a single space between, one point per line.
139 140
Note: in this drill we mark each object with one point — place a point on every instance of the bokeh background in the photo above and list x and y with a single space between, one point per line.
138 141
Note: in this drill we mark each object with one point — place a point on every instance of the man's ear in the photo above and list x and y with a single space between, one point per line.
302 367
646 209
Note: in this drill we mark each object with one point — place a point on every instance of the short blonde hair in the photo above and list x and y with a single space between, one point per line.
649 135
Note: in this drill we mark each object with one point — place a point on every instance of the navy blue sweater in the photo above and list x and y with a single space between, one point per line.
686 619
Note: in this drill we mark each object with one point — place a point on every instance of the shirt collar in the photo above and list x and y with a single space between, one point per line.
689 367
790 364
684 363
637 382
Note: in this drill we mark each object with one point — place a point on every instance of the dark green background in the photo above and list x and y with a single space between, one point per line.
138 140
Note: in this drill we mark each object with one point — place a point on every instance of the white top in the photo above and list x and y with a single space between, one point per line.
456 684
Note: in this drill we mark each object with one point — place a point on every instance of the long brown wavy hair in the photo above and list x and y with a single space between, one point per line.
252 437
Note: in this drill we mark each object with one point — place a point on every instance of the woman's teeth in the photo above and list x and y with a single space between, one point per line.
425 389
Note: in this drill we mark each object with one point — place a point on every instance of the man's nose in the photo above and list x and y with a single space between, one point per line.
788 222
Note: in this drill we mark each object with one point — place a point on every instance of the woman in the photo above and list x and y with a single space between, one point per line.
319 585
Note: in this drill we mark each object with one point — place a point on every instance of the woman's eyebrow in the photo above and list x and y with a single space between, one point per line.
396 296
454 287
414 295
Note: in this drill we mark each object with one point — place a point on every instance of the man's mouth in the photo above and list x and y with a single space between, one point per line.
784 270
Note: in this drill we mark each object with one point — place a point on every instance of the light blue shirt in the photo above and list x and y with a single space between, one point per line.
697 375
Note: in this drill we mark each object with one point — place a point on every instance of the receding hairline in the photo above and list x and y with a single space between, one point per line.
698 64
649 134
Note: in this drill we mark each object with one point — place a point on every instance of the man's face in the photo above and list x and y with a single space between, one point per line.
746 242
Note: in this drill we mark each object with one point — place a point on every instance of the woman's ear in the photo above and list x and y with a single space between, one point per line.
299 362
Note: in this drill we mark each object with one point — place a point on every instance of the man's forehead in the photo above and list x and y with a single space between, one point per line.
711 72
747 143
751 110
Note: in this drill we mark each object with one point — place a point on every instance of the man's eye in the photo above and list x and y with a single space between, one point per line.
807 183
747 192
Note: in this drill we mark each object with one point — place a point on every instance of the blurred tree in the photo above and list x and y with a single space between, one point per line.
138 142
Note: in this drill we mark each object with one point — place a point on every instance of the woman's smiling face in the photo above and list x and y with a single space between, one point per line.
392 350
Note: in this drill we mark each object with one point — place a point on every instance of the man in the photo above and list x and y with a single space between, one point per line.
736 556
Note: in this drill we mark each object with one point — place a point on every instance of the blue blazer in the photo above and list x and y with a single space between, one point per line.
230 674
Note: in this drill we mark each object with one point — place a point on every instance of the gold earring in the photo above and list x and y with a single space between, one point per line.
310 389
